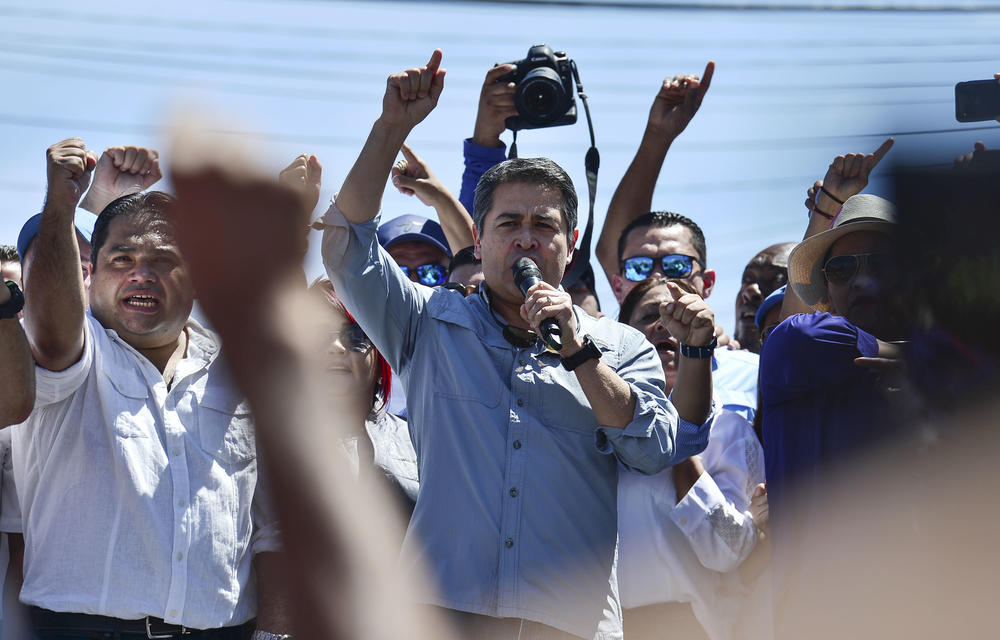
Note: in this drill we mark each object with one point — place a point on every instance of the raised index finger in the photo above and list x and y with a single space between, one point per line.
882 150
706 78
435 62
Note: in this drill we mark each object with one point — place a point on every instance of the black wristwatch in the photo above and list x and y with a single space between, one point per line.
699 352
12 307
589 351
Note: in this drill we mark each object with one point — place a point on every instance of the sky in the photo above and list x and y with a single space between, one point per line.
792 89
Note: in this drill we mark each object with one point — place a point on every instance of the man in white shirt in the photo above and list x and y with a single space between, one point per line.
136 470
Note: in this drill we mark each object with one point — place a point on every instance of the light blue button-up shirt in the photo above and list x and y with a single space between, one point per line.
517 510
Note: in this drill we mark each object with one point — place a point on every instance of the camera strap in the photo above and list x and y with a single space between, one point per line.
592 162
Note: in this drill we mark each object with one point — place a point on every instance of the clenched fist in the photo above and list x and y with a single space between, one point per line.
69 166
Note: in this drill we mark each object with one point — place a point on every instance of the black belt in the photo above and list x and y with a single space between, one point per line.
80 624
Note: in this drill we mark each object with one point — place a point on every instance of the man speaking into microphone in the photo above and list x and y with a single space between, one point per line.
518 445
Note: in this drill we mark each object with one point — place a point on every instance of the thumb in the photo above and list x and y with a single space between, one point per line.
91 160
404 183
411 158
314 170
437 85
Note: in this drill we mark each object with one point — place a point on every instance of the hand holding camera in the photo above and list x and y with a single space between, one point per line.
543 93
496 105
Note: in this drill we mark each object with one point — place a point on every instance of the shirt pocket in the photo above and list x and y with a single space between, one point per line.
132 417
225 427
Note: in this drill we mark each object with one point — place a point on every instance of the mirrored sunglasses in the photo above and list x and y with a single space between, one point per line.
353 338
840 269
674 265
431 275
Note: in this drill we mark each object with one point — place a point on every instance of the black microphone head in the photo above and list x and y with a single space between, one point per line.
525 268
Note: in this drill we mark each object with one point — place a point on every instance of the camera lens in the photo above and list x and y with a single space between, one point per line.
540 96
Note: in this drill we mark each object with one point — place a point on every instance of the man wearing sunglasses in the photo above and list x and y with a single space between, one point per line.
418 245
822 404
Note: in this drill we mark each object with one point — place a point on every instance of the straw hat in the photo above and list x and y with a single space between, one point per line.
862 212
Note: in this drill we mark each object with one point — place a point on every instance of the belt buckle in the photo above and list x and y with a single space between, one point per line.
163 636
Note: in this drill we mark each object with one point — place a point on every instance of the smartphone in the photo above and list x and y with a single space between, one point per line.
977 100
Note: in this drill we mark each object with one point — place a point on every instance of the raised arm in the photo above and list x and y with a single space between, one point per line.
336 531
673 108
53 282
691 322
121 171
485 149
846 176
17 369
412 176
409 96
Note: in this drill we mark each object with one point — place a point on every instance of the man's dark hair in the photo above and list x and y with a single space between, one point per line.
8 253
663 219
462 258
151 207
541 171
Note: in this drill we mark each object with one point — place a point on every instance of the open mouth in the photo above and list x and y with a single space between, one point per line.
141 302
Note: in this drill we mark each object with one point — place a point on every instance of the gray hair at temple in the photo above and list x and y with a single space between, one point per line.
541 171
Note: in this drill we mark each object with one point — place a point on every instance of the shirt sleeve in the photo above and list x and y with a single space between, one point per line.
54 386
714 514
656 437
810 352
386 304
266 530
478 160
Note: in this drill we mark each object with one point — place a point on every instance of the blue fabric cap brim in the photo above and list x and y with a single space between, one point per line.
775 298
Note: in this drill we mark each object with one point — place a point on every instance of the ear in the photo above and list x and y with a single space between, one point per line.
572 247
708 277
476 243
616 286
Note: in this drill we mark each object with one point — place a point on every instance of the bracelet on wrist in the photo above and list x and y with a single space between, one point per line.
699 352
826 215
829 195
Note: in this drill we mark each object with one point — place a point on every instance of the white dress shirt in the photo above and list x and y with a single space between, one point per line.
688 551
136 499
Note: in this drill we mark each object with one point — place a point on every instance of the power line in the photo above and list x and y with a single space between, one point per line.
75 124
712 5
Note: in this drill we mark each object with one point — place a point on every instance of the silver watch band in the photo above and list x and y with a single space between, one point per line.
267 635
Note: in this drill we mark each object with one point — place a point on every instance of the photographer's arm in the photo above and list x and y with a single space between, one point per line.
409 97
485 149
673 108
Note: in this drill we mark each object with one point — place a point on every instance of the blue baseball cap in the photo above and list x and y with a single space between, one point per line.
83 220
776 297
412 228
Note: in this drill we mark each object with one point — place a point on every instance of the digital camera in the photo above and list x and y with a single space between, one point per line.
544 94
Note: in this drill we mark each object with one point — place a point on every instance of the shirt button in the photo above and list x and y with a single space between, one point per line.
513 492
684 520
520 402
508 543
176 451
517 444
180 503
173 613
180 556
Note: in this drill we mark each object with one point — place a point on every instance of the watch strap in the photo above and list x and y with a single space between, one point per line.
12 307
699 352
589 351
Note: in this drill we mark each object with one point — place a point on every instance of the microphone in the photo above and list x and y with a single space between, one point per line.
527 275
